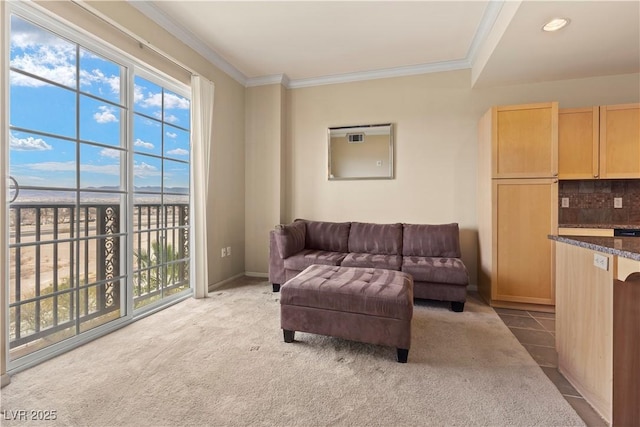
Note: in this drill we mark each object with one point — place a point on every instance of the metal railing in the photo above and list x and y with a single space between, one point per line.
66 273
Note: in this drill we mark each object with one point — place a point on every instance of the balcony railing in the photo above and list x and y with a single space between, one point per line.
65 265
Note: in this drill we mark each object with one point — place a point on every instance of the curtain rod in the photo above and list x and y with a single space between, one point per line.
141 42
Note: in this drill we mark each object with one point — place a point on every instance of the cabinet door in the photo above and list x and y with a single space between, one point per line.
620 141
525 141
578 137
525 213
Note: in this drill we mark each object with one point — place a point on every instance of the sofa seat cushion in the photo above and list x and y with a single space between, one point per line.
390 262
436 270
308 257
376 292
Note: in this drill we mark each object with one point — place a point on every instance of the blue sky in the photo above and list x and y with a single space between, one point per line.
47 161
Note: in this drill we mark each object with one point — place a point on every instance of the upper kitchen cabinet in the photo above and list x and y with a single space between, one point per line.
525 141
578 143
599 142
620 141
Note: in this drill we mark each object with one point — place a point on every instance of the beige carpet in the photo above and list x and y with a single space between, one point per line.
222 361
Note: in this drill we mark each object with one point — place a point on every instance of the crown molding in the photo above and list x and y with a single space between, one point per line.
188 38
488 19
486 24
410 70
281 79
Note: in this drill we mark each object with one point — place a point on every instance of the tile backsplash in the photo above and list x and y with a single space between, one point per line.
591 202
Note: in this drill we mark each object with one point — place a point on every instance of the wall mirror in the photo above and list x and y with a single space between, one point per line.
361 152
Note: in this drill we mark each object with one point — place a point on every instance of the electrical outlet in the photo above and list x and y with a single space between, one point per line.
223 253
228 250
601 261
617 202
565 202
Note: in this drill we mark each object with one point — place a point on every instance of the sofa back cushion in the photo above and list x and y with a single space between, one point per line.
327 236
290 238
441 240
377 239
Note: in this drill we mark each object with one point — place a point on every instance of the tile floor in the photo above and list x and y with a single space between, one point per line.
536 332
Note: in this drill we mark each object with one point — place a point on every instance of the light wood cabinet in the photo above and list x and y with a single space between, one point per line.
525 142
599 142
620 141
517 205
578 143
524 216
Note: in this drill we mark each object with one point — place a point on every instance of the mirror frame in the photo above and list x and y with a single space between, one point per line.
359 129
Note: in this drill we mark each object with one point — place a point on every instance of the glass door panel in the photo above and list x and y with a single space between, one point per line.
68 201
161 193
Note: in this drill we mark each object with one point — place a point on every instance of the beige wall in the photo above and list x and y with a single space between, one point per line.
435 117
263 165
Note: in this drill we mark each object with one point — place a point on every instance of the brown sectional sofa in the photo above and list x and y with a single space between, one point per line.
429 253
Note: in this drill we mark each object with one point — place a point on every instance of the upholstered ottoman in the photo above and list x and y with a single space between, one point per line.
368 305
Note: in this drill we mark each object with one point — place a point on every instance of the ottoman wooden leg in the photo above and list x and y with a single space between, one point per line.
403 355
288 335
276 287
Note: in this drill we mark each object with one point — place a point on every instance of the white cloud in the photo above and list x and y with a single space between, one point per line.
45 55
105 115
170 118
110 153
39 52
174 101
138 95
151 99
143 170
140 143
171 134
178 152
40 65
71 167
97 76
28 144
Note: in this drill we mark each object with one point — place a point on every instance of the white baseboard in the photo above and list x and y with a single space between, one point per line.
255 274
215 286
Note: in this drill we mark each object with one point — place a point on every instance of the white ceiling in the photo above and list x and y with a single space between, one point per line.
303 43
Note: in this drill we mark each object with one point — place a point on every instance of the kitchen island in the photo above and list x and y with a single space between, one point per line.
598 322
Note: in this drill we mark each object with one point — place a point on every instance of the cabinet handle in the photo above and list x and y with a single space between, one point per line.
596 176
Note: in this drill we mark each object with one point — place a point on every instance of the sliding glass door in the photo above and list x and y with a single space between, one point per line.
99 166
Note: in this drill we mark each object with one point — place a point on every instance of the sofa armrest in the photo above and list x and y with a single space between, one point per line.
290 239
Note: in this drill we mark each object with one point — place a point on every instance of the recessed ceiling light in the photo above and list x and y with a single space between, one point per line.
556 24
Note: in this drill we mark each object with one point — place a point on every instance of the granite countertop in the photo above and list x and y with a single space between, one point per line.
626 247
605 226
